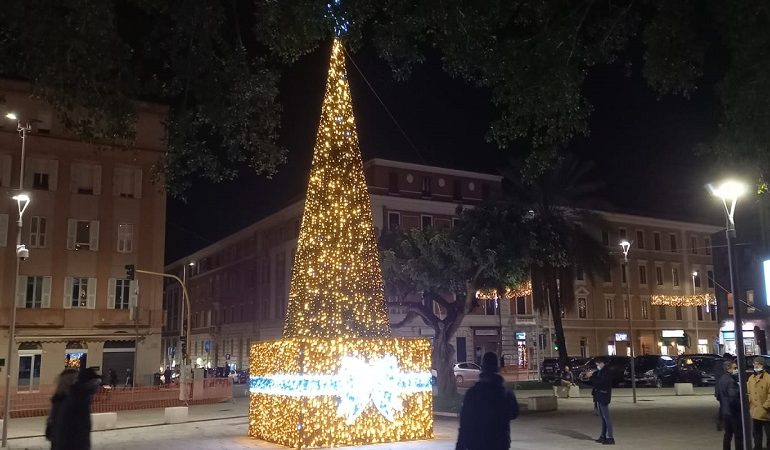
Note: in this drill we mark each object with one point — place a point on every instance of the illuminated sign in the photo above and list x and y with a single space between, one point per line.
521 336
766 271
672 333
621 337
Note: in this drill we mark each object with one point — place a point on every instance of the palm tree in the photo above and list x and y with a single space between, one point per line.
560 231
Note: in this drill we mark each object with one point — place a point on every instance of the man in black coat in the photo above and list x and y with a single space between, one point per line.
488 408
601 381
72 422
726 391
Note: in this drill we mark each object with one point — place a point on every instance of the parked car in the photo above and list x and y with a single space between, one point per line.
466 372
548 368
699 369
615 364
241 377
652 370
577 365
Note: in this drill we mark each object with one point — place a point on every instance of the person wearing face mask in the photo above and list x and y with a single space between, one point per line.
759 402
730 406
601 380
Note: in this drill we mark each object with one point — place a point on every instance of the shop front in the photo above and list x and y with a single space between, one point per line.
727 338
673 342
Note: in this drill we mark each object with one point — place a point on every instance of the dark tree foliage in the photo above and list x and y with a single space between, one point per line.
92 60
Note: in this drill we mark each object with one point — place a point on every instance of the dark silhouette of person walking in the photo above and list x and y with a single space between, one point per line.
69 425
487 411
601 381
727 393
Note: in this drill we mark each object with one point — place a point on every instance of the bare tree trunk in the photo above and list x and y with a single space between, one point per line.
554 301
442 356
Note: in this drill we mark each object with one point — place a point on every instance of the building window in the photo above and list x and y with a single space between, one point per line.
125 238
120 294
694 245
34 292
642 274
656 240
608 274
696 279
127 182
713 314
579 273
40 174
672 242
625 308
662 312
659 276
394 221
393 182
622 233
426 222
425 185
521 305
699 312
623 273
710 278
645 309
610 305
457 190
678 313
675 276
640 239
80 292
582 307
38 229
707 245
85 178
605 237
82 234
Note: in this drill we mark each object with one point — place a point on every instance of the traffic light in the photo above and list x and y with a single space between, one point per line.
130 271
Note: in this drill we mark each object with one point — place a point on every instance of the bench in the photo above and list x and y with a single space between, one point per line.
175 414
683 389
542 403
104 421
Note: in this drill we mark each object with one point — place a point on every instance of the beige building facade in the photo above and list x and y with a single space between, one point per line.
91 212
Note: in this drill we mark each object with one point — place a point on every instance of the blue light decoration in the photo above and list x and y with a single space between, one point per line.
766 271
334 11
357 384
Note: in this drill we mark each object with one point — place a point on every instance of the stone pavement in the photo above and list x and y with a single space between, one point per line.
658 421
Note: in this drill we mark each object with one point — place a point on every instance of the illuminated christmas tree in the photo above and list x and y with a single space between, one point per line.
336 285
337 377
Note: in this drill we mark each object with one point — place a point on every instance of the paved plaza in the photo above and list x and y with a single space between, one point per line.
658 421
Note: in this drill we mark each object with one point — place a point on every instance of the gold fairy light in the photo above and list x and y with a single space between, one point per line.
337 377
682 300
523 289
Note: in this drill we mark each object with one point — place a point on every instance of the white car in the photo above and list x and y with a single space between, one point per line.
466 372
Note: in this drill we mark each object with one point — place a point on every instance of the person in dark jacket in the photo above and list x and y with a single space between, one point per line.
601 381
726 391
488 408
167 376
72 418
64 382
112 377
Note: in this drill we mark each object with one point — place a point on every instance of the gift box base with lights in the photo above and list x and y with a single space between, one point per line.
318 392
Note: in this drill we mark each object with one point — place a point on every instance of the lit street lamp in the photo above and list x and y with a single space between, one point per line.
22 202
728 192
697 309
625 246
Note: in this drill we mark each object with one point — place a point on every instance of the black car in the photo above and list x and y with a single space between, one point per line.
577 365
548 372
615 364
699 369
652 370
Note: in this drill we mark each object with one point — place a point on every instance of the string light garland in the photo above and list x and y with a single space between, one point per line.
338 377
524 289
683 300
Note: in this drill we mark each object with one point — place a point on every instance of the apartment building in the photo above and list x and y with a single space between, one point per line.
92 210
239 285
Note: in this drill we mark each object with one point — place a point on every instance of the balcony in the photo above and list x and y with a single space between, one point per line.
76 318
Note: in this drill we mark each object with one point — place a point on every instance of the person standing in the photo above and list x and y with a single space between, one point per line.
727 394
759 403
167 376
112 377
601 381
487 411
129 378
71 414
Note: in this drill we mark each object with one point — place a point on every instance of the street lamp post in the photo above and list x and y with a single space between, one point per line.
728 192
697 309
22 202
625 246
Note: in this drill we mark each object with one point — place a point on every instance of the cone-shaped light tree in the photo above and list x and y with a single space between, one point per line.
336 284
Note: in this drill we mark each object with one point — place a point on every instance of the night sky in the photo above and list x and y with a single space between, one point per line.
644 147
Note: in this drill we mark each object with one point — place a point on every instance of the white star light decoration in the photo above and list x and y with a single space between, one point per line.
357 384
